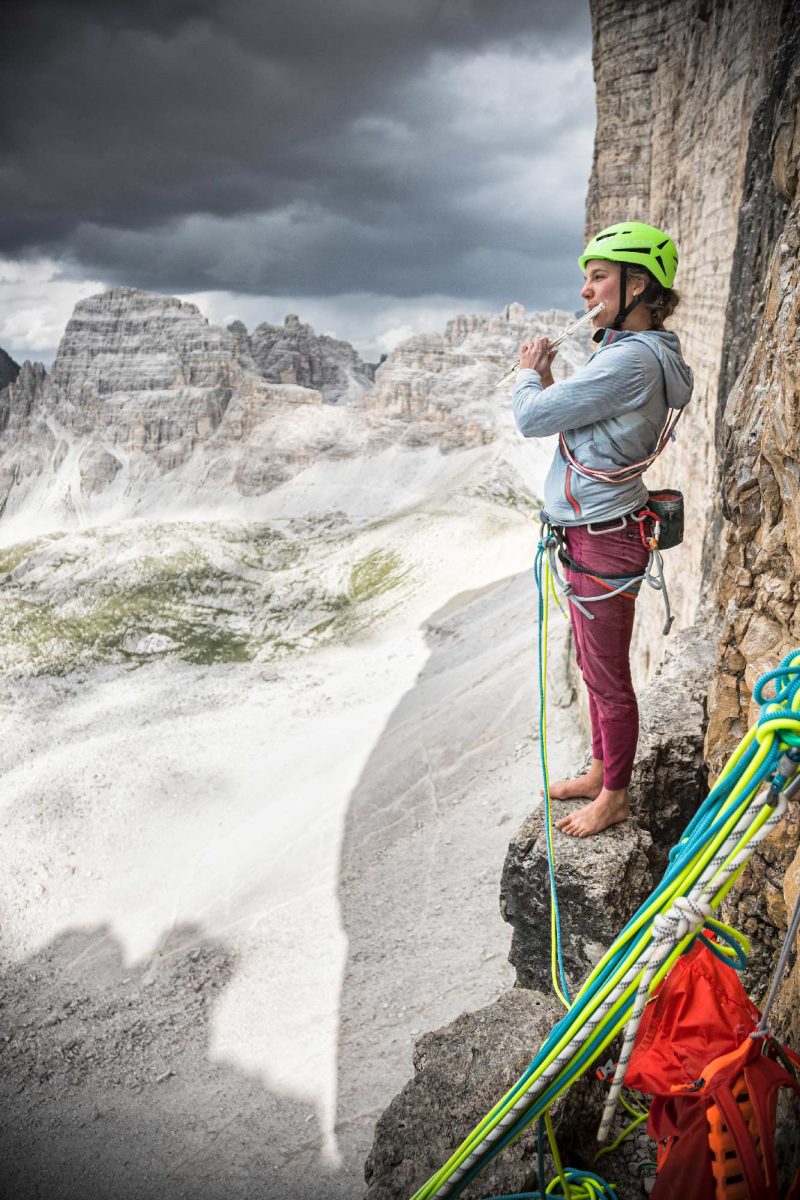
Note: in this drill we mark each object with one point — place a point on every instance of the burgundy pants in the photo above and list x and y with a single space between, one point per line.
602 646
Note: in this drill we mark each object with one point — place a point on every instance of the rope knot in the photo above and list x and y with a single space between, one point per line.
685 916
695 910
664 925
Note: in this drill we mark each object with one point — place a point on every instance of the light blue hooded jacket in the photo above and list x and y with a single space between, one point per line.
611 412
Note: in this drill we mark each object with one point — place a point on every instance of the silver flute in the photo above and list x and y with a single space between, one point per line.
568 332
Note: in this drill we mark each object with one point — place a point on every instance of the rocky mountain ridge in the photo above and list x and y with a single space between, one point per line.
144 391
9 370
292 353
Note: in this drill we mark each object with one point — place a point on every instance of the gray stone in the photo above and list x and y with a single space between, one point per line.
600 881
460 1074
293 353
98 467
9 370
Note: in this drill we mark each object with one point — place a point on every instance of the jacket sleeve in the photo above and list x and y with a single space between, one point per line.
611 383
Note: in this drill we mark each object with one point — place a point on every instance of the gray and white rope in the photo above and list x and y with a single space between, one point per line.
687 914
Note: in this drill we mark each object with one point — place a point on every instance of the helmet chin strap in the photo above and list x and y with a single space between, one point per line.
624 310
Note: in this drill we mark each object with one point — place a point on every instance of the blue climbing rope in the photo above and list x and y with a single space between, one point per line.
541 576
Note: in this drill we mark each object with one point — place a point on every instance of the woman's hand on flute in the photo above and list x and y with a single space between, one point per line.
538 355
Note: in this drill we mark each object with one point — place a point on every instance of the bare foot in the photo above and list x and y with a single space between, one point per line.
607 809
588 786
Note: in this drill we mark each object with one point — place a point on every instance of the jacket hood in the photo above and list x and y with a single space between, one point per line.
666 346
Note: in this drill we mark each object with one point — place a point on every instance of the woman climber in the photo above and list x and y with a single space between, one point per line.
610 415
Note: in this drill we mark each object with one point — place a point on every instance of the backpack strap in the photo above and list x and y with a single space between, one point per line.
758 1187
763 1078
775 1077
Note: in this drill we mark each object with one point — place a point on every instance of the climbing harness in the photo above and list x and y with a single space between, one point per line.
748 800
552 545
664 509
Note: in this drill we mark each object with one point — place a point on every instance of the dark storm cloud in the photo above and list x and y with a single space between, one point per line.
299 146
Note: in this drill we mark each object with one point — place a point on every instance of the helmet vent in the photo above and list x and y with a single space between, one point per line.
634 242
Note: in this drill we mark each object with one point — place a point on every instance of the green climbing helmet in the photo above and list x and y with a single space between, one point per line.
638 245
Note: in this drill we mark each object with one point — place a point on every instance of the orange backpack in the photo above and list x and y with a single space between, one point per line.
714 1087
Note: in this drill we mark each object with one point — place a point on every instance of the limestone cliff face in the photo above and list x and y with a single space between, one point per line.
759 445
699 131
293 353
680 88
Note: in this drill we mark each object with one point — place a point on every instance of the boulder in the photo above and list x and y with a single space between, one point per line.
460 1072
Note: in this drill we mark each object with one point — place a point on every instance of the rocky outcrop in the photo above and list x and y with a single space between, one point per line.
600 884
9 370
23 429
293 353
459 1073
19 399
759 587
126 342
601 881
441 388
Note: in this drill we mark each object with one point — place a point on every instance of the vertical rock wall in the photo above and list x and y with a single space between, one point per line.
759 445
679 87
699 131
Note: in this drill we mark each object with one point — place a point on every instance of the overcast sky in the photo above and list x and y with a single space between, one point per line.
375 166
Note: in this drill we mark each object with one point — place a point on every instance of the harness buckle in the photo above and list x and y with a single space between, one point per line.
623 521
